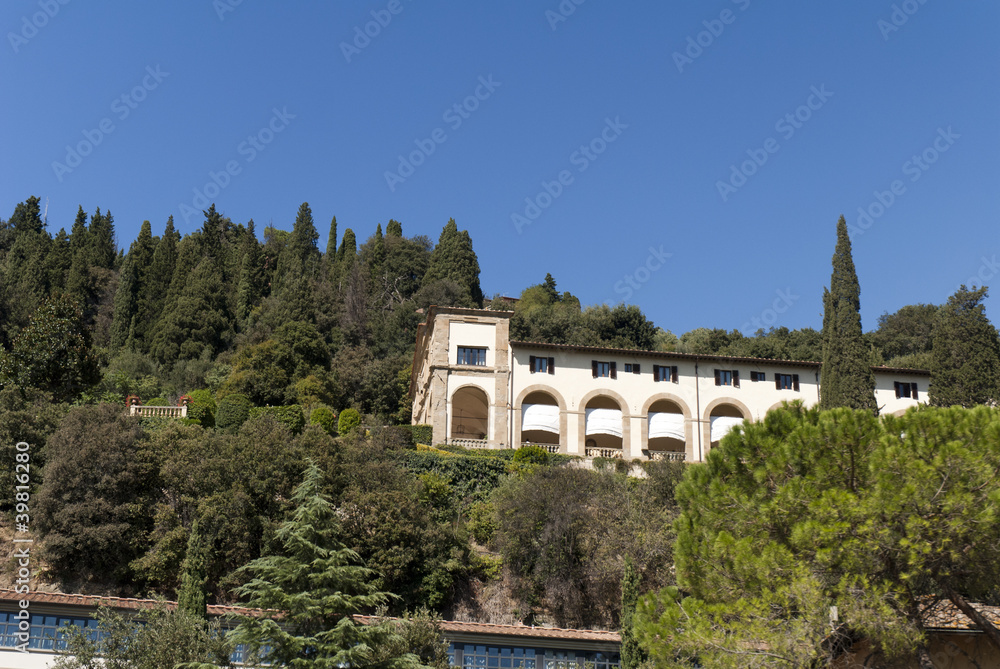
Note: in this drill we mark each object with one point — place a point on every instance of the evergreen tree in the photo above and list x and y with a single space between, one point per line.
393 228
965 357
211 234
103 250
631 651
59 261
454 259
348 250
847 376
302 241
313 586
375 256
550 288
126 304
191 596
24 279
79 283
156 284
198 321
251 285
331 242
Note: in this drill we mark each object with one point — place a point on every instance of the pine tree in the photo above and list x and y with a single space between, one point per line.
103 249
965 357
191 595
302 242
348 250
848 379
211 234
631 652
315 584
24 281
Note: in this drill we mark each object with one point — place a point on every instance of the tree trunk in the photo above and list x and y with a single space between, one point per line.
992 633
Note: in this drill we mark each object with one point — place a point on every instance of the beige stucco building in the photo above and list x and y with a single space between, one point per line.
477 388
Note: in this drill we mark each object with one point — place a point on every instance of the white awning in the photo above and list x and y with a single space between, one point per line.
540 417
666 425
721 425
604 421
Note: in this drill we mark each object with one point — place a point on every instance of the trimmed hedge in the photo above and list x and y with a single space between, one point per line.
202 407
291 416
325 418
233 411
349 421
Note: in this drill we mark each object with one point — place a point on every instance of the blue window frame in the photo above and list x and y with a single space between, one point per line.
471 355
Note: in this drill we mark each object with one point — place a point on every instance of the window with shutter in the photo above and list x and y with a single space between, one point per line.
552 365
531 363
656 372
736 378
913 388
593 364
795 382
895 384
777 381
635 368
673 374
614 371
718 377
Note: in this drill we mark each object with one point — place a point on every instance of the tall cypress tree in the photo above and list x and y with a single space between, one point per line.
632 655
103 250
393 228
60 260
965 356
191 595
126 303
251 286
331 241
848 379
453 258
79 283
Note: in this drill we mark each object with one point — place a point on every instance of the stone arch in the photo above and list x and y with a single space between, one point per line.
660 447
469 413
723 407
604 444
537 436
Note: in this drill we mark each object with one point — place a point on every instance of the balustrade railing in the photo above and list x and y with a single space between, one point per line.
592 452
158 412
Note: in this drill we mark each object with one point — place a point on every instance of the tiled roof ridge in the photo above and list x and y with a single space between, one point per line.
134 603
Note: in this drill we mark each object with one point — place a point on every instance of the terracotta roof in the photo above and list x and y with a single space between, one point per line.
945 615
452 626
456 627
125 603
663 354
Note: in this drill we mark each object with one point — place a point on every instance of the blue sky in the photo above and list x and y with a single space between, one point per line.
691 158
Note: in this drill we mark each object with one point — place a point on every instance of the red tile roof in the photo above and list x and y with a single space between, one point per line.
452 626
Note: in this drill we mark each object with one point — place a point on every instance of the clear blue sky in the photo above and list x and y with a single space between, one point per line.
339 122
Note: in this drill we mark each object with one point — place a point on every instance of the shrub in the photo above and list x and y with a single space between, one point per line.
202 407
233 411
325 418
290 416
422 434
535 455
349 421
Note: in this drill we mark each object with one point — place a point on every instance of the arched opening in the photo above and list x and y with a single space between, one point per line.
666 431
540 420
603 428
470 414
723 419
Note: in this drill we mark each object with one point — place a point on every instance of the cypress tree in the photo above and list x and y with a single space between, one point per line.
59 261
211 234
331 241
631 652
251 285
126 303
103 250
79 281
965 357
394 228
191 595
847 376
302 242
348 248
453 258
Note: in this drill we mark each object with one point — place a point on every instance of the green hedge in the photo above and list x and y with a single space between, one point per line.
233 411
325 418
349 421
202 407
290 415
